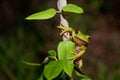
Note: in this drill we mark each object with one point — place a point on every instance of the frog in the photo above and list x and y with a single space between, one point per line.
81 40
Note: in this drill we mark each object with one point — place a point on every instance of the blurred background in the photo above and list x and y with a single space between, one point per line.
30 40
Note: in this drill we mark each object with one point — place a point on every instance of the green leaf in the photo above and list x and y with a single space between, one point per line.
32 64
47 14
68 67
82 75
72 8
52 54
41 77
53 69
65 50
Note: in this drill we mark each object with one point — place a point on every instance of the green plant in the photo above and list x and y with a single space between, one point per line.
67 60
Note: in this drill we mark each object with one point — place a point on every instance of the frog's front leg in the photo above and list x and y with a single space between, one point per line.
64 29
78 55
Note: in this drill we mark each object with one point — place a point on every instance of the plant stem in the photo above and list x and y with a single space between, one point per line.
63 21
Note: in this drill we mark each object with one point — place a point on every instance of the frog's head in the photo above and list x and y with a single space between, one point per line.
83 37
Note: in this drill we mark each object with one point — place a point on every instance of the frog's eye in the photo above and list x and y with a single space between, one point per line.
77 32
88 37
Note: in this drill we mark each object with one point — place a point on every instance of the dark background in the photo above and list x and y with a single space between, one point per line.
30 40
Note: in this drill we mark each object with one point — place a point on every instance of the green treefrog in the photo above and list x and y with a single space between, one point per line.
79 38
